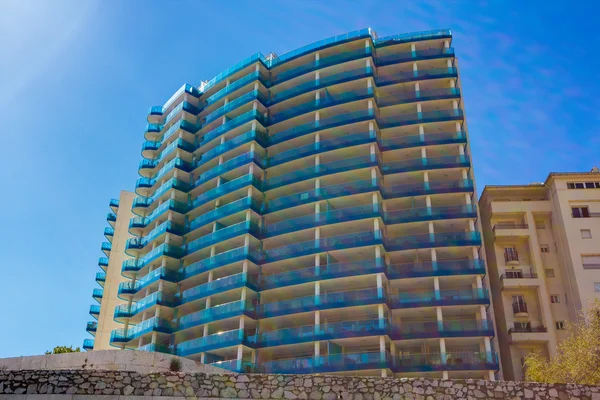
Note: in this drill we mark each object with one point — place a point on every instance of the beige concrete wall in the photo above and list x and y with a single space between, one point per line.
110 300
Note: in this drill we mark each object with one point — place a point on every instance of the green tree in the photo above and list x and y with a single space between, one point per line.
64 349
577 358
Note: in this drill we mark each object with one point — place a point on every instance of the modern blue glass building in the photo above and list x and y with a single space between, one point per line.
313 213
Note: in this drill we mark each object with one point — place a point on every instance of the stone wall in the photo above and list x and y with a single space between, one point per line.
74 383
116 360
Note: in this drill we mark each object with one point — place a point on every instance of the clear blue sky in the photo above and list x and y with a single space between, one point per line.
77 78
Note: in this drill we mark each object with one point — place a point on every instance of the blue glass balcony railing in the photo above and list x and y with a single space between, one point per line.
156 110
460 361
156 298
114 203
322 272
109 233
399 77
88 344
232 105
164 249
103 262
157 348
428 54
232 144
252 115
150 145
106 247
230 165
153 128
183 106
321 302
100 278
321 63
246 203
328 363
147 326
225 258
420 118
256 75
423 95
437 329
328 101
412 37
439 298
311 333
172 205
234 69
176 144
95 311
91 327
326 123
429 213
161 273
324 193
225 188
173 183
165 227
333 167
211 342
321 245
394 167
111 217
319 219
296 153
431 187
174 163
428 240
97 294
216 313
423 140
242 228
219 286
435 268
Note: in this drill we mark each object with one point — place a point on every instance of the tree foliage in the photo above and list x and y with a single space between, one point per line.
577 358
64 349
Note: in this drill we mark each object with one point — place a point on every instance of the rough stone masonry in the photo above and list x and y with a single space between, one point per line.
72 383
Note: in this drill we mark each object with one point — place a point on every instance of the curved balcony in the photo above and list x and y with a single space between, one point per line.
441 329
220 260
424 241
161 273
106 248
111 218
242 228
231 144
100 278
315 171
228 187
211 342
420 75
125 311
321 273
325 331
429 163
109 233
428 54
145 167
88 344
177 144
321 147
91 328
253 95
232 87
157 348
340 242
252 115
95 311
417 96
436 298
164 250
427 188
155 111
324 193
97 295
135 244
257 57
216 313
420 118
169 205
149 148
429 214
221 285
183 106
427 139
321 302
328 363
143 184
134 332
243 204
320 219
103 263
326 123
435 268
451 361
114 205
230 165
140 203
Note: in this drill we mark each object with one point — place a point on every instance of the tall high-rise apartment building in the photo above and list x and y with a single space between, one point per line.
107 295
543 250
313 212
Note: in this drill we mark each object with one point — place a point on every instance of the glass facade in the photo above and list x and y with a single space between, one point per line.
313 213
